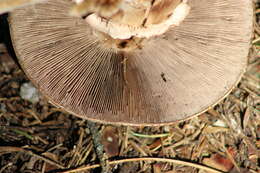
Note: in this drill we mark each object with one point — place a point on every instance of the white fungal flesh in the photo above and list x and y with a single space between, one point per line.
78 1
119 31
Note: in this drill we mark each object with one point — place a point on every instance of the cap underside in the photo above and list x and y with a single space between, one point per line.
172 77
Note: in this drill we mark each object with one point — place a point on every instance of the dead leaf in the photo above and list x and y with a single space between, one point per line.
220 162
155 144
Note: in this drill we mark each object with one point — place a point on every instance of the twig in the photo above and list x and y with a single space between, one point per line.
138 148
8 149
6 166
99 148
150 136
125 140
179 162
242 135
9 99
229 155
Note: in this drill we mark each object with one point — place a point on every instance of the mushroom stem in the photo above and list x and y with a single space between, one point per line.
118 30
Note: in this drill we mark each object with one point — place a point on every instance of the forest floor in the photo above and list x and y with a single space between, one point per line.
38 137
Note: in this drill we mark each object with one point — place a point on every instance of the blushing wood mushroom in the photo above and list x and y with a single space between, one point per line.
161 69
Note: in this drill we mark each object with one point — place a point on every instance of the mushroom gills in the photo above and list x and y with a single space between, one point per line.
134 80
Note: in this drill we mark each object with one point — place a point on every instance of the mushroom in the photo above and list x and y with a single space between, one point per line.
141 76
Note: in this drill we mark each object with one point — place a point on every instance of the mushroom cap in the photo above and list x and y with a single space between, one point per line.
177 75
